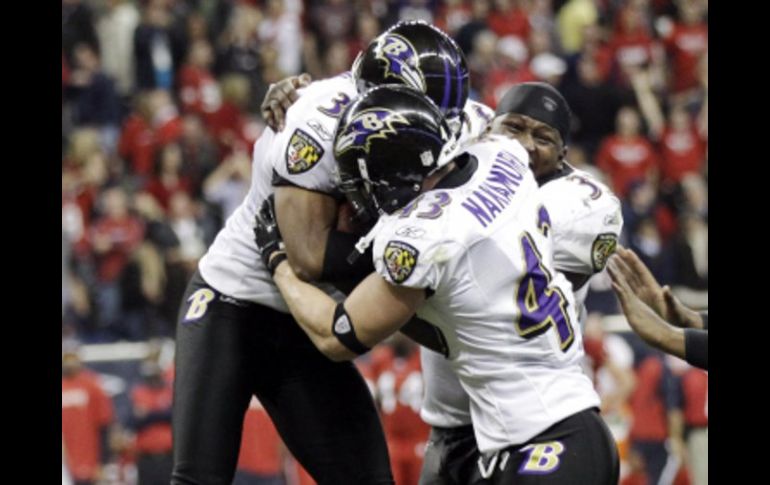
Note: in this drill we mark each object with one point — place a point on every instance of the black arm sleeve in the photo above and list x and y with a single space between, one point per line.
705 317
336 267
696 347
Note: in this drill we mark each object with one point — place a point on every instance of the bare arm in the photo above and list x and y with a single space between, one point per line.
376 310
305 219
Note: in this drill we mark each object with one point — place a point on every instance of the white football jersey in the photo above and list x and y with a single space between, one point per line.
508 317
301 154
586 222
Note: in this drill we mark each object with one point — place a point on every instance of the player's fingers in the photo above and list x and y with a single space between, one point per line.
304 80
278 113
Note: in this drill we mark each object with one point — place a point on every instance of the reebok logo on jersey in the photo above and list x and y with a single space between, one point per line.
302 153
319 129
601 250
400 259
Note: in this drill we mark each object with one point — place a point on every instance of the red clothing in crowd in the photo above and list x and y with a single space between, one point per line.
685 45
650 419
695 387
625 160
400 390
199 92
260 443
125 234
163 190
139 140
155 438
85 410
682 153
515 21
232 129
500 79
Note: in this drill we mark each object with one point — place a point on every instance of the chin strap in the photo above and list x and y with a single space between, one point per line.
366 240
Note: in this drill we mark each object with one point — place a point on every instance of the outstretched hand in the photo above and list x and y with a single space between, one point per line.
642 318
280 96
267 236
644 285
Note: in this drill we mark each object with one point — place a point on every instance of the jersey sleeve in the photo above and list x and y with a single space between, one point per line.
586 225
302 153
413 253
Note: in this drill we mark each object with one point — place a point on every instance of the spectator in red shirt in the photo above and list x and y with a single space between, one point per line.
113 239
260 461
198 89
508 69
151 411
657 415
87 413
695 387
169 178
509 18
632 44
154 122
682 149
399 391
627 156
685 44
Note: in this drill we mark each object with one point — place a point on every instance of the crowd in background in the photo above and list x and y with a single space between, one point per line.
160 110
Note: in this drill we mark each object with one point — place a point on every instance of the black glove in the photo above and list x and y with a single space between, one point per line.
267 236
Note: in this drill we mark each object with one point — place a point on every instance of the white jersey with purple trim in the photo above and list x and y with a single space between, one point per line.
301 154
586 222
477 117
507 315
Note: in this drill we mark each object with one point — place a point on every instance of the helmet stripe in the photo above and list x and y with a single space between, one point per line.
447 86
459 102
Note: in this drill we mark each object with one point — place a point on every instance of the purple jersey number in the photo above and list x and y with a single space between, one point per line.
541 305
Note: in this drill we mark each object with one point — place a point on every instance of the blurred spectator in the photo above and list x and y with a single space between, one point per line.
158 49
627 156
168 177
113 238
367 28
695 384
116 37
548 68
330 21
228 184
572 18
198 89
151 413
657 415
508 67
154 122
188 230
686 41
337 59
77 26
281 28
238 49
656 253
451 15
87 414
682 149
642 203
482 59
416 10
199 152
466 34
399 390
508 17
632 44
232 126
260 461
594 103
94 99
690 252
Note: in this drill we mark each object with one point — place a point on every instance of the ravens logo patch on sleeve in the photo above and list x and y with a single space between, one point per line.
400 259
302 153
601 250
